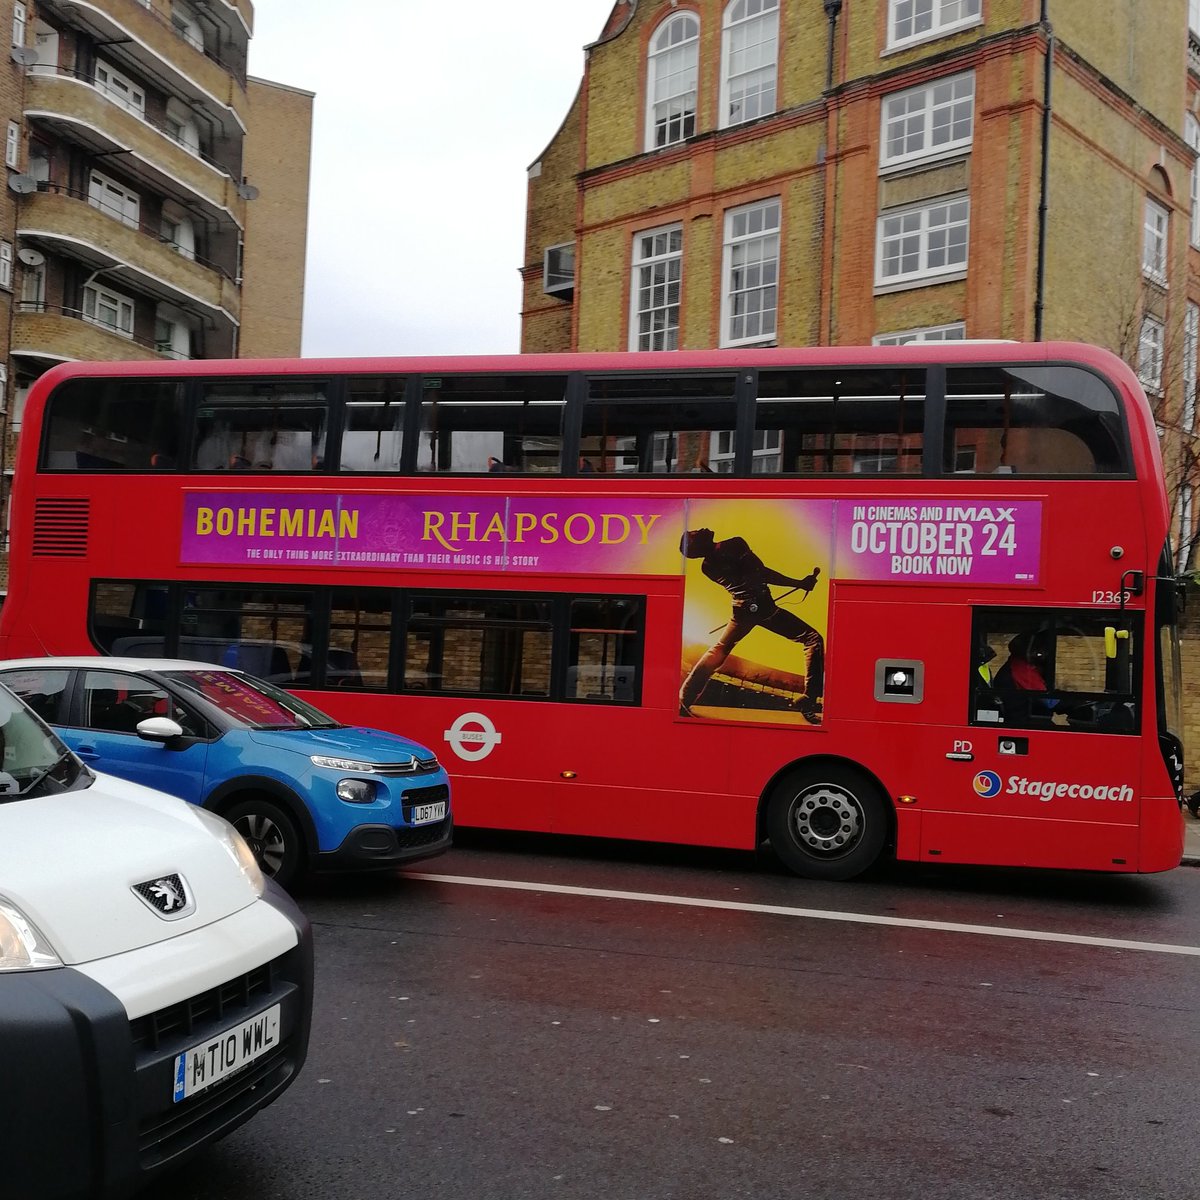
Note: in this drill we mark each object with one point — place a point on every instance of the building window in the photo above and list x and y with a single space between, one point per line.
749 53
558 271
671 81
919 20
932 333
1150 354
928 122
923 243
1186 532
751 293
110 309
1194 17
20 20
657 278
1191 134
6 265
1191 345
184 22
1154 243
12 145
110 197
120 89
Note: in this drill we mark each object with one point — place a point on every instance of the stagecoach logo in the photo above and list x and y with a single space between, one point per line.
168 895
470 743
987 783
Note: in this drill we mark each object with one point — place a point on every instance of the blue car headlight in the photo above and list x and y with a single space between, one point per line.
356 791
342 764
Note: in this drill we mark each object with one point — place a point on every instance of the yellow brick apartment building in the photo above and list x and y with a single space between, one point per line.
816 172
156 204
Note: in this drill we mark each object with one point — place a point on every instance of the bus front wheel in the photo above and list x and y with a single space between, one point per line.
271 834
827 822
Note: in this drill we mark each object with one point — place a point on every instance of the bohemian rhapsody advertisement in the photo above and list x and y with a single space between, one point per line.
934 541
756 572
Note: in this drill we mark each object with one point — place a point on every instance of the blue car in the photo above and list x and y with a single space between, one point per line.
306 792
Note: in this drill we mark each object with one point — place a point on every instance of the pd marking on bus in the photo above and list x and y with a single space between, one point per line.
472 744
987 783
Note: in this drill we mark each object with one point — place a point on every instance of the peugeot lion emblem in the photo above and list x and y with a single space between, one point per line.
168 895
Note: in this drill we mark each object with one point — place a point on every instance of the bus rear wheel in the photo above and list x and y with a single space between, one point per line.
827 822
271 834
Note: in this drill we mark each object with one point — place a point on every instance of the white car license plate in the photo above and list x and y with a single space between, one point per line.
422 814
212 1061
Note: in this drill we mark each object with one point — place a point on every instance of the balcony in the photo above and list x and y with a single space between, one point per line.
66 223
48 335
148 44
79 112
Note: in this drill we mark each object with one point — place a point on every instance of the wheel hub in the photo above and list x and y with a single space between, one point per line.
827 820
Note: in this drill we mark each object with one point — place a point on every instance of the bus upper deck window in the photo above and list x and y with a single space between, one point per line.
256 425
373 424
1032 420
840 422
113 425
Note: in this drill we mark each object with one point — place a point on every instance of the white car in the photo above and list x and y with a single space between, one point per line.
155 991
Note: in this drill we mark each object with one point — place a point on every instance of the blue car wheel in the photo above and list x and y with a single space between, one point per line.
272 835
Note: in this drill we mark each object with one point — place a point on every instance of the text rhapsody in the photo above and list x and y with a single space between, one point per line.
1044 790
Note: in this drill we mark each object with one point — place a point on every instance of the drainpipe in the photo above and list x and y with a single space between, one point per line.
833 10
1039 306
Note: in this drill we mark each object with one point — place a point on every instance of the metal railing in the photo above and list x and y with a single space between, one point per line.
236 69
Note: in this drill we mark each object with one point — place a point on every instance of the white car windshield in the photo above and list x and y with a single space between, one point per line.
32 760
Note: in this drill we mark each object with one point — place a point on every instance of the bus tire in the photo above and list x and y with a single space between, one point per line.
271 834
827 821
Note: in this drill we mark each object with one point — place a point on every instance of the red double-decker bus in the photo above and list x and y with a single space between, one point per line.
838 600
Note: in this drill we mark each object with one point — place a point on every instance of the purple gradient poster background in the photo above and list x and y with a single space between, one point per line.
905 540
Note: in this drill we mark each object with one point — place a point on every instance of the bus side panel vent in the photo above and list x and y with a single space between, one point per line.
60 528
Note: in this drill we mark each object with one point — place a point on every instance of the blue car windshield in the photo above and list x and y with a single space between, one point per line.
252 703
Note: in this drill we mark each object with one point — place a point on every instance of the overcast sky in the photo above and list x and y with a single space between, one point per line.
426 119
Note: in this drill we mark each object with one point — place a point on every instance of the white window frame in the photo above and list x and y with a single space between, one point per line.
6 265
124 308
115 200
20 24
555 280
750 272
672 79
1151 339
956 331
120 89
929 228
1194 17
1186 497
936 19
925 118
12 145
187 25
1156 225
1191 357
657 271
749 59
1191 134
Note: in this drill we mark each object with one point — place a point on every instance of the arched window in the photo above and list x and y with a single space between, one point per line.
671 81
749 52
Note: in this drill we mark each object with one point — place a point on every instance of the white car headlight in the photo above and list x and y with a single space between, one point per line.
343 764
236 845
22 945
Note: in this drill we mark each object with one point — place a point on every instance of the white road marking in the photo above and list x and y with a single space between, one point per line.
814 914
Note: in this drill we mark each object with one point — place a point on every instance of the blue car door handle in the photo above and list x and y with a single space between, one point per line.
87 752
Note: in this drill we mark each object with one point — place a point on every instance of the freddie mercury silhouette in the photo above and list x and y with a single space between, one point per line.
732 564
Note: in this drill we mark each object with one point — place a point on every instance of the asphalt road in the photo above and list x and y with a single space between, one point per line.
754 1035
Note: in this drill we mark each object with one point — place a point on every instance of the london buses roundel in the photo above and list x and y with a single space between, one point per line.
987 783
